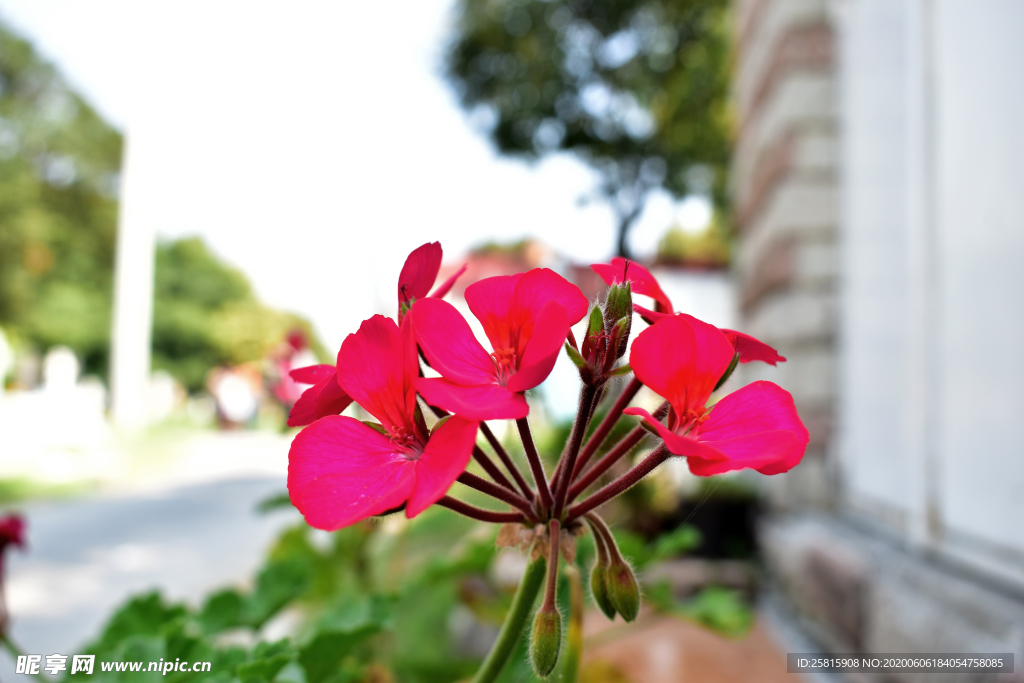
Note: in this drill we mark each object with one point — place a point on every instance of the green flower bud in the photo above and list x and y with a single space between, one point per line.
619 312
623 590
545 641
599 589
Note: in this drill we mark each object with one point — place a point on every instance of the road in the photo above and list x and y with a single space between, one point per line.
87 555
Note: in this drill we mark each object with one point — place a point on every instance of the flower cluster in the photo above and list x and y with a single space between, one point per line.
342 470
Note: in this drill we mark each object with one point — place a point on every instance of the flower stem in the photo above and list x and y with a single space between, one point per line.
495 491
626 481
537 467
515 623
621 448
567 462
605 428
550 588
506 460
492 469
480 514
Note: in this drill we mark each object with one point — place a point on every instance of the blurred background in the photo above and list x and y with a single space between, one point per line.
196 197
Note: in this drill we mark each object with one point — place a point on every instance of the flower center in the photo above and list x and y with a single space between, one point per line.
407 442
504 364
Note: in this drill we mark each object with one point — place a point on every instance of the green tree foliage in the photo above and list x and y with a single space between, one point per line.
58 214
205 314
59 165
639 90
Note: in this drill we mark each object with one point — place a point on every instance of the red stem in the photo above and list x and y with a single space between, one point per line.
610 458
554 529
480 514
568 460
492 469
506 460
626 481
536 466
495 491
605 428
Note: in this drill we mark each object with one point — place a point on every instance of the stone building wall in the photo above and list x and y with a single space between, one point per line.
784 187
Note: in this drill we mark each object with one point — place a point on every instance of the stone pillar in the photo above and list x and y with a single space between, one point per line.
133 306
785 194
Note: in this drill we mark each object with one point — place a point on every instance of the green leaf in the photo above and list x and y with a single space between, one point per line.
274 502
223 610
277 584
268 660
324 654
596 323
622 370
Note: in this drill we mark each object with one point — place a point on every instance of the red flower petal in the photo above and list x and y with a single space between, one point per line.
478 402
332 399
676 444
681 359
419 272
445 286
374 369
340 471
449 343
490 300
751 426
542 349
641 280
649 316
304 410
532 293
445 457
312 374
751 349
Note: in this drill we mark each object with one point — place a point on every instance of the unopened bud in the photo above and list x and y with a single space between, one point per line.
599 589
545 640
619 307
623 589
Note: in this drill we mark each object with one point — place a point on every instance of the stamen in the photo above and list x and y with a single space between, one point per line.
505 362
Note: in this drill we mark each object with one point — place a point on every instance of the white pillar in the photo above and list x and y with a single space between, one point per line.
133 305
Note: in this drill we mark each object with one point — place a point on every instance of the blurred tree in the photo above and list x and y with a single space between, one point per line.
59 166
638 90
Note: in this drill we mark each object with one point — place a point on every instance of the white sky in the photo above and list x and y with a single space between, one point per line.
313 144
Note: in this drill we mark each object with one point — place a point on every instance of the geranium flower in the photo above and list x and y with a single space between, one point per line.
526 318
642 282
341 470
418 275
12 532
326 397
682 359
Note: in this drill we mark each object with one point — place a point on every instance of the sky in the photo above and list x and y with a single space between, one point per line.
312 144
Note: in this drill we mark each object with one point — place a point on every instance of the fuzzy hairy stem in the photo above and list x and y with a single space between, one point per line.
626 481
621 448
536 466
507 461
551 587
568 460
515 623
492 469
605 428
495 491
480 514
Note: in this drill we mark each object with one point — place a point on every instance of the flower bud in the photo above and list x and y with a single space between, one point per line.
599 589
619 307
623 590
545 640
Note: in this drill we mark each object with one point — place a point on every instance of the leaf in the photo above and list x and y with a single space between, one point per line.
268 660
324 654
274 502
277 584
575 356
622 370
223 610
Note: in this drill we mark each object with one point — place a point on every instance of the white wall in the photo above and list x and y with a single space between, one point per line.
932 338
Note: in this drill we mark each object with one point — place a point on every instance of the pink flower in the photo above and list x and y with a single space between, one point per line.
12 532
642 282
682 359
341 470
526 318
418 275
325 397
